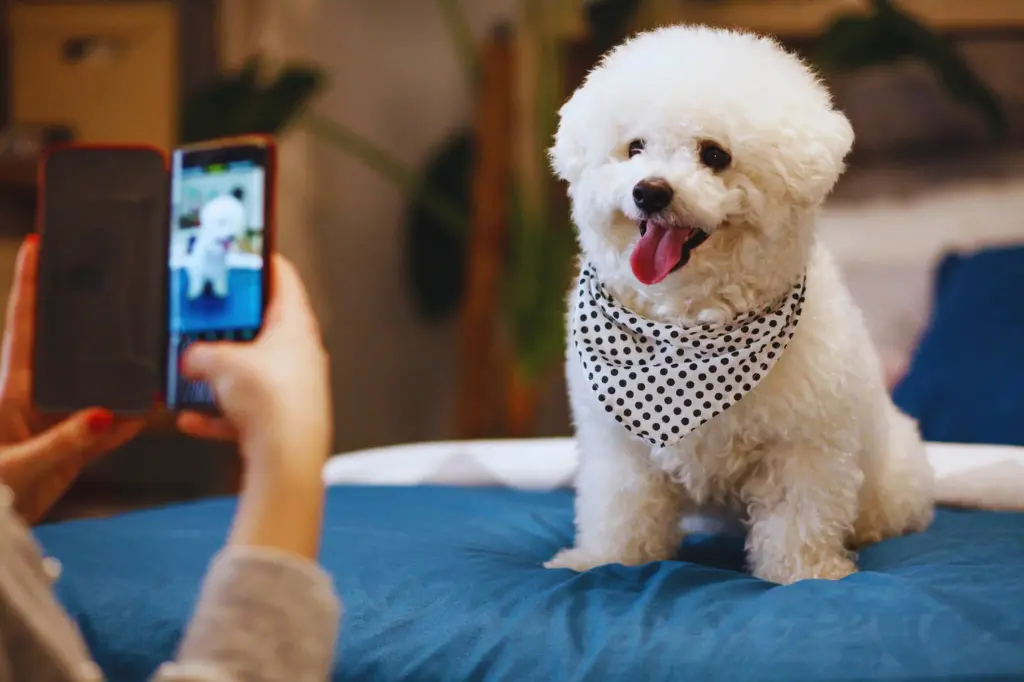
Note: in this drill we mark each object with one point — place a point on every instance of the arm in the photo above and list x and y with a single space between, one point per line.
267 613
263 615
37 639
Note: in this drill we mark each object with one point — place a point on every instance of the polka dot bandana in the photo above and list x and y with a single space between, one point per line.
662 381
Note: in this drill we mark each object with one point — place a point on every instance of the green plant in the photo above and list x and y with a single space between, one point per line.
242 103
854 41
540 242
437 213
540 239
888 35
435 246
609 20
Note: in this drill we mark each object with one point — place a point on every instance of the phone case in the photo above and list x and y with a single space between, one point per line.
101 337
100 311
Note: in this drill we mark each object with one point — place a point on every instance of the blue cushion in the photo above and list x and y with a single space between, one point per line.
966 382
444 585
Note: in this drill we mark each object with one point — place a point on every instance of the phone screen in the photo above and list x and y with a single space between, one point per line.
217 256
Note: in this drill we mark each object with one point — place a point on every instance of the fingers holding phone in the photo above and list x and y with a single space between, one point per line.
276 387
274 396
243 342
131 307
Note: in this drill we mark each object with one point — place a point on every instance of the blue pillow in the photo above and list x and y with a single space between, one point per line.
445 585
966 381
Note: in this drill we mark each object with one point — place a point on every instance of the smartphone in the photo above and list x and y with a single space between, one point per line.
102 225
218 257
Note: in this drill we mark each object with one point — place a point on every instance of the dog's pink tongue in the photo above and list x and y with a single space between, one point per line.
657 252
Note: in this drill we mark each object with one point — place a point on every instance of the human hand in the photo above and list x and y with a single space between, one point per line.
40 456
274 394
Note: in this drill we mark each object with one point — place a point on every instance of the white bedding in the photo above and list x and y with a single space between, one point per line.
983 476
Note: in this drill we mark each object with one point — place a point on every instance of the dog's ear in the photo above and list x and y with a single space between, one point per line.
568 153
830 138
838 136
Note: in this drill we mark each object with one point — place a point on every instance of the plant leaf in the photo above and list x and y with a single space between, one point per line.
961 82
541 258
409 181
541 244
609 20
435 254
237 104
282 101
887 35
855 42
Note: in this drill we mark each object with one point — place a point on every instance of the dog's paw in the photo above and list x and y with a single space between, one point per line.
832 568
872 528
836 569
866 533
574 559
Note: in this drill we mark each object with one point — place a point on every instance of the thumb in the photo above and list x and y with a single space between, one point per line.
70 439
289 299
208 361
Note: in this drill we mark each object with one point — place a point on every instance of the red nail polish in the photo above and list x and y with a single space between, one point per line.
32 238
100 421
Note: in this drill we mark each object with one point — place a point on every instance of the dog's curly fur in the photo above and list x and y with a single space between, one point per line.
816 459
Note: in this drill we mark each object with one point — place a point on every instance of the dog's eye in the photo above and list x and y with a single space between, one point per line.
714 157
635 147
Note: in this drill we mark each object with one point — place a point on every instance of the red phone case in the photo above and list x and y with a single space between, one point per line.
101 314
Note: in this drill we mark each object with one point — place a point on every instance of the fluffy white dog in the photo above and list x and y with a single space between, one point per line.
221 220
715 356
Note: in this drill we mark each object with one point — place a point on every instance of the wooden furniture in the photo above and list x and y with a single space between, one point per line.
491 179
493 399
18 194
108 71
190 46
18 175
806 18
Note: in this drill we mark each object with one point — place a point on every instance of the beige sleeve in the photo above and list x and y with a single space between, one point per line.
37 639
261 617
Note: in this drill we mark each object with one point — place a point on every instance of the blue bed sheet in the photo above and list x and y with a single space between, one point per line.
444 585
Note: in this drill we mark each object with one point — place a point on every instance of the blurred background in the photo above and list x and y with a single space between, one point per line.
414 194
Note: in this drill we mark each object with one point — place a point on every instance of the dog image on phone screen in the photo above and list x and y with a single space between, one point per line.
221 221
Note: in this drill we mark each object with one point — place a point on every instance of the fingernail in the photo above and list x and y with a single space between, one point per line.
100 421
32 238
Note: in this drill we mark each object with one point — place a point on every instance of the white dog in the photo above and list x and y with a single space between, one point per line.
715 357
220 220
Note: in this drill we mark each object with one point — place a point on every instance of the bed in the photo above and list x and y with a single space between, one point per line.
437 551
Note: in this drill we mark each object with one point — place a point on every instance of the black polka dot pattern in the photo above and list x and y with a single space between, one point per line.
662 381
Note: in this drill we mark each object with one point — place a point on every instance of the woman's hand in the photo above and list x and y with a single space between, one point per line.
41 456
274 393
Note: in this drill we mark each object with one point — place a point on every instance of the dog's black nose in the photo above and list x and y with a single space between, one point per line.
652 195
